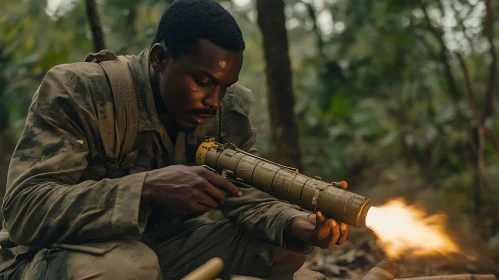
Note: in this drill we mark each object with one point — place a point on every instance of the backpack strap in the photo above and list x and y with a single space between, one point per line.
125 98
125 101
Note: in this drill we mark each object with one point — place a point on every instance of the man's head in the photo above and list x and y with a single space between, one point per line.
195 57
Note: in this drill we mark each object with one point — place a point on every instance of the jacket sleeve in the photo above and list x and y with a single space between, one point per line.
260 214
46 202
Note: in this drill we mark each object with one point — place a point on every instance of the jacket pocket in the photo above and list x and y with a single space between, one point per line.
94 248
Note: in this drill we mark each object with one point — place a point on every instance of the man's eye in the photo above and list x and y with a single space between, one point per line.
202 83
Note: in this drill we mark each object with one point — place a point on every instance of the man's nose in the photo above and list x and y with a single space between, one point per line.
214 99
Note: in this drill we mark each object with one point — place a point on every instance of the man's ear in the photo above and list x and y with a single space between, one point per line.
159 57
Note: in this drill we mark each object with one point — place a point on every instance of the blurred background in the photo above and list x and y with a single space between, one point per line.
397 97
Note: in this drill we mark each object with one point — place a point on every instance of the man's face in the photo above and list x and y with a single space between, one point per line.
193 85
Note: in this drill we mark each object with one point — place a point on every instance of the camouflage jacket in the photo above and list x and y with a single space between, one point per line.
69 183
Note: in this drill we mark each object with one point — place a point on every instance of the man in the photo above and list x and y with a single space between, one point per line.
102 183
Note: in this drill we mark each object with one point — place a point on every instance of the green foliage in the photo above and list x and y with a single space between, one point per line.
379 104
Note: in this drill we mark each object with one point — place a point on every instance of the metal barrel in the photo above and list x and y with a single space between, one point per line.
284 183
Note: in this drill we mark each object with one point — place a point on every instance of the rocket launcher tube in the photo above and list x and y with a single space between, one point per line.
284 182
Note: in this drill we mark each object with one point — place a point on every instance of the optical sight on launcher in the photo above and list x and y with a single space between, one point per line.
284 182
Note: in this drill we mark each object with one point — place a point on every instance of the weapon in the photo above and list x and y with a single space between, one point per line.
284 182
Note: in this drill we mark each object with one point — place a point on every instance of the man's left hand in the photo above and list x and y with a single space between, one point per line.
318 231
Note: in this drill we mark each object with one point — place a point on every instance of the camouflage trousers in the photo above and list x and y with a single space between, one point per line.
155 258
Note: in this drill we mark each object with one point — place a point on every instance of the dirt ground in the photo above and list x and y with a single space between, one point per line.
357 256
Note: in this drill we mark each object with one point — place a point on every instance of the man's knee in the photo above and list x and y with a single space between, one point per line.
130 259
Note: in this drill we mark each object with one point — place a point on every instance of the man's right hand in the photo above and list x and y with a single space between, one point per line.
182 190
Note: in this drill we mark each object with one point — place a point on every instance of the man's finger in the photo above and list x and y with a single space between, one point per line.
322 228
201 208
222 183
217 194
335 233
208 201
343 234
319 219
313 219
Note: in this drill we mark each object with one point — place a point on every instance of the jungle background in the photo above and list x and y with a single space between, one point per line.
397 97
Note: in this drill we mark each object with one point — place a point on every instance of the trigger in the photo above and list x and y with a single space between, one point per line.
227 174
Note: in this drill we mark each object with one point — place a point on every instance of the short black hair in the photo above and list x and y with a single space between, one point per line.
186 22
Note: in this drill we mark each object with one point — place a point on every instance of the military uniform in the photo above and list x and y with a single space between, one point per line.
72 207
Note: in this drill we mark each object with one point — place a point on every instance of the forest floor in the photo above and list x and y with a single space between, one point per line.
356 257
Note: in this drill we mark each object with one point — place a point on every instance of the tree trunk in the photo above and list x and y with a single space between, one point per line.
477 144
444 55
312 13
95 25
285 147
491 83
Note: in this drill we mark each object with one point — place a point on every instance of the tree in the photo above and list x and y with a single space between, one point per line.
285 147
479 117
95 25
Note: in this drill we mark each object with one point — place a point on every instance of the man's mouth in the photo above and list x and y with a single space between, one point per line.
202 118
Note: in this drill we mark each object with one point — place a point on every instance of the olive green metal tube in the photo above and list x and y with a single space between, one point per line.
284 183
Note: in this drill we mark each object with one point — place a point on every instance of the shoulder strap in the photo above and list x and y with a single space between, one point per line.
125 100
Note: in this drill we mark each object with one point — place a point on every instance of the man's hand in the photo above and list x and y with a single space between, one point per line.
316 230
182 190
